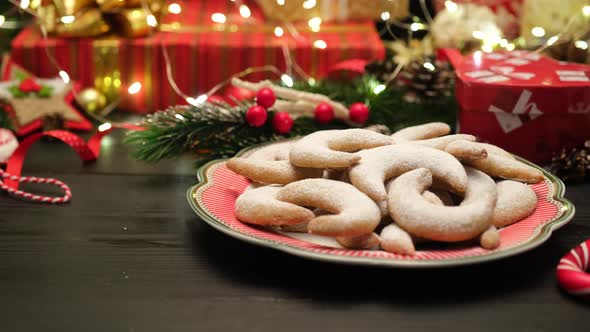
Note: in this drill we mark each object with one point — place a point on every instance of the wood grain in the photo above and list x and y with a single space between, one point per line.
128 254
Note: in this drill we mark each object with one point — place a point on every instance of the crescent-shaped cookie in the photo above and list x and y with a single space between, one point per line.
396 240
260 206
497 163
466 150
418 217
440 143
421 132
516 201
331 148
352 212
380 164
490 239
270 164
365 241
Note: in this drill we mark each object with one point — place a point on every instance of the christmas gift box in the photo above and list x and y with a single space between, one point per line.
207 42
529 104
334 10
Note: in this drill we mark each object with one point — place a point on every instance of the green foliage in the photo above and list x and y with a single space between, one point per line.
16 92
45 92
220 131
5 120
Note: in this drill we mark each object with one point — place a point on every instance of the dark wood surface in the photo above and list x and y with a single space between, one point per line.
128 254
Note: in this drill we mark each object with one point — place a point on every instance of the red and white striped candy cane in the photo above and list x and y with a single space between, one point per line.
572 271
32 197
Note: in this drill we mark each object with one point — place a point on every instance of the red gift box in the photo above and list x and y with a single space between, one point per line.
529 104
202 53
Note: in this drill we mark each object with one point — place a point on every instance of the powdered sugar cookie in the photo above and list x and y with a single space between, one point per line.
260 206
421 132
490 239
396 240
420 218
365 241
516 201
353 213
440 143
331 148
466 150
494 161
380 164
270 164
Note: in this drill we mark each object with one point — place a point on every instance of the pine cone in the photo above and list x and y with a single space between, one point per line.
573 164
427 79
382 69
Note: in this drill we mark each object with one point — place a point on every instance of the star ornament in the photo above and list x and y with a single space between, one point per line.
30 100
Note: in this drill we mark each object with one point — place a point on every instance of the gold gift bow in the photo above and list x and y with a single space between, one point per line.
90 18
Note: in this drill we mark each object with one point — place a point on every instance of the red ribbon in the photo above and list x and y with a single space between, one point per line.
88 151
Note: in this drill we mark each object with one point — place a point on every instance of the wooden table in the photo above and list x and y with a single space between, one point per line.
128 254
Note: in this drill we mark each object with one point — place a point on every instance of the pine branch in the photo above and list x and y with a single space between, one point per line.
220 131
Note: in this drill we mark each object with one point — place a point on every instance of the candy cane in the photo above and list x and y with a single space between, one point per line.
87 151
571 271
32 197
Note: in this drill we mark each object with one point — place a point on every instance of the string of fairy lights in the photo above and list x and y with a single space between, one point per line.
491 39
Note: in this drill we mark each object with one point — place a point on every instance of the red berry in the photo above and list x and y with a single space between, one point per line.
29 85
233 92
359 113
282 122
256 116
324 113
265 97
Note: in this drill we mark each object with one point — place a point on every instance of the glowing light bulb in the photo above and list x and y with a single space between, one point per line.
218 18
279 32
385 16
245 11
477 57
309 4
287 80
104 127
451 6
538 32
378 89
24 4
510 47
151 21
581 44
315 23
197 101
67 19
429 66
586 11
174 8
320 44
64 76
503 42
2 20
552 40
478 34
416 26
487 48
134 88
281 2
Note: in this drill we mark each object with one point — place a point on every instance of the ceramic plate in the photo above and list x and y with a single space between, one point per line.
214 196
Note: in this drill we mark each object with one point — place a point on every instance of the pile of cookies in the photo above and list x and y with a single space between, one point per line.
370 190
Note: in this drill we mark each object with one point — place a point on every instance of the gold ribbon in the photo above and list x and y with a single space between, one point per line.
91 18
